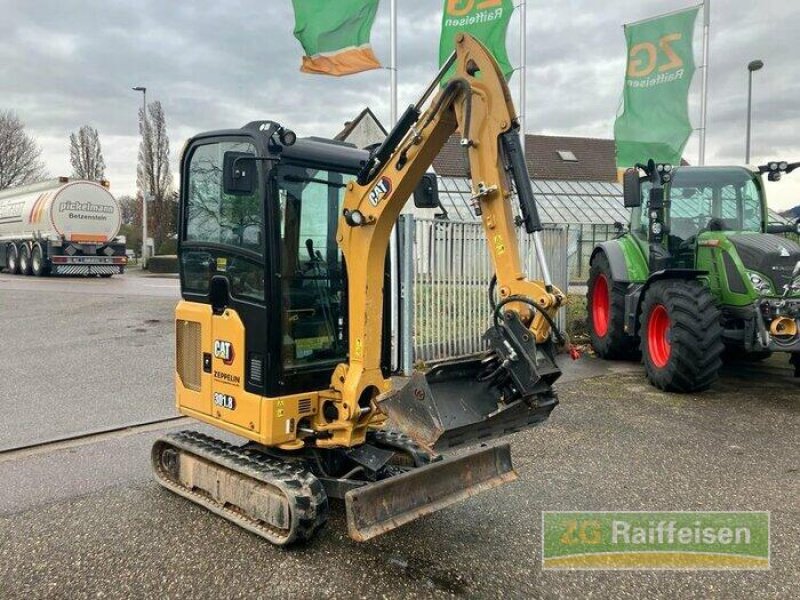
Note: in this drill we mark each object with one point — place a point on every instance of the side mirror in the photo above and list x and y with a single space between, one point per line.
238 173
632 188
427 193
785 228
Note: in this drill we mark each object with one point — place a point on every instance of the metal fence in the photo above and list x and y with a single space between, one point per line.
583 238
448 311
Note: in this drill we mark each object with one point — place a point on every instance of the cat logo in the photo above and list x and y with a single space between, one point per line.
224 351
380 191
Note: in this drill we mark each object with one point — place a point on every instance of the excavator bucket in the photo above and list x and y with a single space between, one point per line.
382 506
452 406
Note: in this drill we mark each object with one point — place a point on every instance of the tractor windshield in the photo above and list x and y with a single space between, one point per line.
714 199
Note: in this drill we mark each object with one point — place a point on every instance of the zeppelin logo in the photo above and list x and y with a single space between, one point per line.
224 351
380 191
224 401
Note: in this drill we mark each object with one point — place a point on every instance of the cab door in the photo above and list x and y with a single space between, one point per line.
222 255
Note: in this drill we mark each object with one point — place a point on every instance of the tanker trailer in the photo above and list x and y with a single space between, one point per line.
63 227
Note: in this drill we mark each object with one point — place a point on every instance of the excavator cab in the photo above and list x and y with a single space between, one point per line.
282 336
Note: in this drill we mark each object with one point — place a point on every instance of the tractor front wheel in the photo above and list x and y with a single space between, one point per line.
605 303
681 336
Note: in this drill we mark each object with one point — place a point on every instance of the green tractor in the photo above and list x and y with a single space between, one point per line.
700 272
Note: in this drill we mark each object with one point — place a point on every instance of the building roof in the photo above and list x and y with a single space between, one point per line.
547 157
351 126
559 202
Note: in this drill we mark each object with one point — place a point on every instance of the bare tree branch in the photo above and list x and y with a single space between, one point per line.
20 156
153 174
86 155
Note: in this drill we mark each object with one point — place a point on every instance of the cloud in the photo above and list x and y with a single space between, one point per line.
217 65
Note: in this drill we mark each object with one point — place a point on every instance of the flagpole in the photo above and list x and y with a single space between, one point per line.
523 116
393 60
394 256
704 93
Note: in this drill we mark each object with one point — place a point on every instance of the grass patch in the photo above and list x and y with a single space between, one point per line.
577 326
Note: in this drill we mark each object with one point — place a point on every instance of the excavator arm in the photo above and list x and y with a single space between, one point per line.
476 102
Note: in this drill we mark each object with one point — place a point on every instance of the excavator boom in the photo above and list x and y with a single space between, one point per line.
509 388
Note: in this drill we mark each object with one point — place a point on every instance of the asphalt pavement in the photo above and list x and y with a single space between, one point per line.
83 519
82 355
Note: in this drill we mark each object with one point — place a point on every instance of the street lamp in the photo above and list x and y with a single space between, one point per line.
752 67
144 192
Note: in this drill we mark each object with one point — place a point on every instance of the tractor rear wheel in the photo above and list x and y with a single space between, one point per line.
681 336
605 304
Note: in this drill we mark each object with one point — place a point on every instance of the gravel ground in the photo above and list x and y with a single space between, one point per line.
613 443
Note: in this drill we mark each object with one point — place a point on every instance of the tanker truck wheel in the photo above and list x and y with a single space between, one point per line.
25 260
12 259
38 266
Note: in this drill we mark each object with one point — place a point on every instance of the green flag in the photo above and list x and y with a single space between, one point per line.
486 20
654 122
335 35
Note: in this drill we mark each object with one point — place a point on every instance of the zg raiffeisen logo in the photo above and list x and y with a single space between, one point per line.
654 63
641 540
470 12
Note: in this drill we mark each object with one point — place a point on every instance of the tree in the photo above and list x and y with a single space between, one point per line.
86 155
131 210
153 175
20 155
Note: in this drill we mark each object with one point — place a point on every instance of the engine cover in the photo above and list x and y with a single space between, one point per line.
770 255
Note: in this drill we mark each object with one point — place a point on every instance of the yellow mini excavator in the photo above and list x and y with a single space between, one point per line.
281 330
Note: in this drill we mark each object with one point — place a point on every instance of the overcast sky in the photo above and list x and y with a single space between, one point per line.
221 64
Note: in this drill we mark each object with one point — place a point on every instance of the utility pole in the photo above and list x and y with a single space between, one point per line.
752 67
144 191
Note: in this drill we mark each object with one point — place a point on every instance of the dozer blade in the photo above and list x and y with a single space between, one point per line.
382 506
450 407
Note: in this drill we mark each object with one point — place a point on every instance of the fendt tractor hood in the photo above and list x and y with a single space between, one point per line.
770 255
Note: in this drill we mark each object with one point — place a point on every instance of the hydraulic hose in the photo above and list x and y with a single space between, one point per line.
528 302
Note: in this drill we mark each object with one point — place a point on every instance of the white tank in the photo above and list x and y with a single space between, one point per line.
78 211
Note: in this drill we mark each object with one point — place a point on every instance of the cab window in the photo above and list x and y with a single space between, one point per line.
231 222
214 216
312 270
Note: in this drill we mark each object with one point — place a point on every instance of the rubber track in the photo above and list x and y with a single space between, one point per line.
696 333
307 499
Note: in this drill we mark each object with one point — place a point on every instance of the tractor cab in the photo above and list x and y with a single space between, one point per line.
698 204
